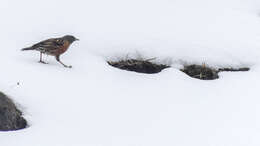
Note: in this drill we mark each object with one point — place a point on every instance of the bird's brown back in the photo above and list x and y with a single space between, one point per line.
54 46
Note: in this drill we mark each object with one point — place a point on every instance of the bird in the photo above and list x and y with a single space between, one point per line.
54 47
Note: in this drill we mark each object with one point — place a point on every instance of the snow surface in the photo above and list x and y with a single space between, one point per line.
94 104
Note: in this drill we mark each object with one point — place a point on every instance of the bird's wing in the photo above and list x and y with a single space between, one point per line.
50 44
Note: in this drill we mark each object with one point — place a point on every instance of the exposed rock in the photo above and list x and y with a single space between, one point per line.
201 72
141 66
10 117
206 73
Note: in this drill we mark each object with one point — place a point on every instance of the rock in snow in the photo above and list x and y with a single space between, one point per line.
10 117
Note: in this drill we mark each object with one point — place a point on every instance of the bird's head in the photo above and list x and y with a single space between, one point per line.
70 38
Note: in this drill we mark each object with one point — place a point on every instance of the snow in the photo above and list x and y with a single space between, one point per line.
96 104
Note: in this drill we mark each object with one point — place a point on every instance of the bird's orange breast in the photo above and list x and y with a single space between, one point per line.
63 48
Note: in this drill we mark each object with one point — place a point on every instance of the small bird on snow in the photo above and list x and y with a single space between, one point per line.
54 47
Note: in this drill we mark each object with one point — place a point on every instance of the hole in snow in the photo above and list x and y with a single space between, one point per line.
138 65
10 117
204 72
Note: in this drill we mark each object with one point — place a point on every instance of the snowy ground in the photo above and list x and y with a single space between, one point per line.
94 104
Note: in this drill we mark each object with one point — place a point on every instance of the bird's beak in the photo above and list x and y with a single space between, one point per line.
77 39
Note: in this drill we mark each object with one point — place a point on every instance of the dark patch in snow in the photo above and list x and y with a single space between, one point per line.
234 69
10 117
140 66
203 72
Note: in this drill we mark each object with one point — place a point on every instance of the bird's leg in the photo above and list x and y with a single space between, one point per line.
58 59
41 59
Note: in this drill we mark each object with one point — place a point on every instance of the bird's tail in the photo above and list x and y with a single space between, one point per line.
26 49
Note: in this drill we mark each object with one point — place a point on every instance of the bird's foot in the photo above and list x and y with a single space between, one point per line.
43 62
68 66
